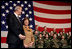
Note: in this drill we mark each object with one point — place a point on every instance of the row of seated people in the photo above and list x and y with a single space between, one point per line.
53 39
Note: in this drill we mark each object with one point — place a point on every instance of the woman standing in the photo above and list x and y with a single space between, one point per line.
29 40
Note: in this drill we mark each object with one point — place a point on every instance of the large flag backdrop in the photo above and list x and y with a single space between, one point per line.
51 14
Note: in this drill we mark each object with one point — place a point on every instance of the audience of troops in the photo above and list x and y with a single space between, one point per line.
52 39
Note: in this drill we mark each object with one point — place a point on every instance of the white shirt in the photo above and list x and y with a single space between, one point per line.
17 16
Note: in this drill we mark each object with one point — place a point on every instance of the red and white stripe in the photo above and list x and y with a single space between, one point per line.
52 14
3 39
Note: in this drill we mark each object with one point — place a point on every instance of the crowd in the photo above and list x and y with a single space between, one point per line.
52 39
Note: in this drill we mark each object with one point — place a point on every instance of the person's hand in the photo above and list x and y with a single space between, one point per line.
22 37
31 44
26 46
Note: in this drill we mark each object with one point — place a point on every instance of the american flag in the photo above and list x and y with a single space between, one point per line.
8 7
51 14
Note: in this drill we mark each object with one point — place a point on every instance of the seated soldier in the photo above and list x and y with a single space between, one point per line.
43 34
36 34
61 33
40 41
51 35
55 41
46 41
36 29
54 30
69 34
64 42
64 33
44 31
36 37
59 36
69 39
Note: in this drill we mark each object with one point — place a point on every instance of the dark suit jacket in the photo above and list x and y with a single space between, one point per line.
14 29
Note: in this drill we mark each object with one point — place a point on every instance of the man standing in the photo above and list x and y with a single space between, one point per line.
15 29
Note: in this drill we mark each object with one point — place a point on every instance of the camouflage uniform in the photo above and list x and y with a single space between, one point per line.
40 43
58 36
55 43
69 41
36 37
65 35
46 43
43 34
64 43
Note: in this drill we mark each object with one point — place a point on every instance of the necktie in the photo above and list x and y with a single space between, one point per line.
18 19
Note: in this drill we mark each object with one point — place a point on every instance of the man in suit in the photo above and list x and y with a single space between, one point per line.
16 34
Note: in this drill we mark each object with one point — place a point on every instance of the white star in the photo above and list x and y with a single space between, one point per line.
19 15
22 18
6 3
30 19
30 12
26 8
18 1
27 15
31 26
3 14
7 11
3 7
7 27
29 5
22 5
3 22
10 1
10 8
23 12
25 2
14 4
